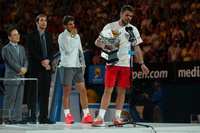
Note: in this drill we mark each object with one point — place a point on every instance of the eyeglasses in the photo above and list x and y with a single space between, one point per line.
15 35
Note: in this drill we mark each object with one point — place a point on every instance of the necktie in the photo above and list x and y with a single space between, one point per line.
17 49
43 47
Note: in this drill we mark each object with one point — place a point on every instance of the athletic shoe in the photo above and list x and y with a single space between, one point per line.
117 122
87 119
69 119
98 122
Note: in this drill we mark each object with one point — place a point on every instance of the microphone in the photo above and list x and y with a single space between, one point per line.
130 31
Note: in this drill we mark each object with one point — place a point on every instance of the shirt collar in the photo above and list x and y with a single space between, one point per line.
40 33
67 32
14 44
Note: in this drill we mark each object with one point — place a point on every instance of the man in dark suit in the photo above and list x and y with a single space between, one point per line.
41 50
16 64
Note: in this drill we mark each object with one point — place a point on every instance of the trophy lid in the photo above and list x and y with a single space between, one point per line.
110 37
110 34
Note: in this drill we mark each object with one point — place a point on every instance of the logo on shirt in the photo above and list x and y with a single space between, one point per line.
127 36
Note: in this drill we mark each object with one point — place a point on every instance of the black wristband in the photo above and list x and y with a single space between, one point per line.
142 64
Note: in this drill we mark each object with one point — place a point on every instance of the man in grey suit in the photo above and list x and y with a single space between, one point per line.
16 64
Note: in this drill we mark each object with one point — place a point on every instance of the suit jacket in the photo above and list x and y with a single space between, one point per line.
14 62
35 51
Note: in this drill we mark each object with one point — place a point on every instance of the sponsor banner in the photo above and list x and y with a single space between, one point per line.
179 72
167 73
96 74
162 71
187 72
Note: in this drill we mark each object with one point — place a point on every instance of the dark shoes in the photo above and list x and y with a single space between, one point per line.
19 122
46 121
8 122
32 120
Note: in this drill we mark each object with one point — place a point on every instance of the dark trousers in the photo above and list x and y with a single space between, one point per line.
157 114
44 81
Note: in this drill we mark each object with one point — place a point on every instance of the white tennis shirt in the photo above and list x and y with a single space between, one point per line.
124 48
69 49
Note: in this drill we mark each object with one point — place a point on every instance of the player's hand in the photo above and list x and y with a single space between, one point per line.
74 31
107 47
144 69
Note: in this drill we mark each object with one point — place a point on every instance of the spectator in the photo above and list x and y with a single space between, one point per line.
188 15
146 21
174 53
163 32
144 7
163 52
186 53
197 22
155 38
194 6
145 34
158 100
198 39
190 38
195 30
180 41
96 60
195 52
188 26
176 31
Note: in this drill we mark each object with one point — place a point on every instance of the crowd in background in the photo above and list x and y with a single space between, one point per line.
170 29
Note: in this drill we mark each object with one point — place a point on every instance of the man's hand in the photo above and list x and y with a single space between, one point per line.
48 67
145 95
144 69
22 72
98 43
45 63
74 31
107 47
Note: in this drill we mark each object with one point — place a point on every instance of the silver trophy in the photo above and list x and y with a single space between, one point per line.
110 38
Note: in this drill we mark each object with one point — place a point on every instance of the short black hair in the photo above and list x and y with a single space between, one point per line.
66 19
127 7
38 17
10 30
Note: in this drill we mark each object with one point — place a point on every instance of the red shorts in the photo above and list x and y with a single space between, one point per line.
121 74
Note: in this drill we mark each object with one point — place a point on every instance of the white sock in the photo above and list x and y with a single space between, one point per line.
102 113
85 112
66 111
118 113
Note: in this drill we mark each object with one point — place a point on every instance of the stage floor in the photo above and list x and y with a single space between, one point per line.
61 127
